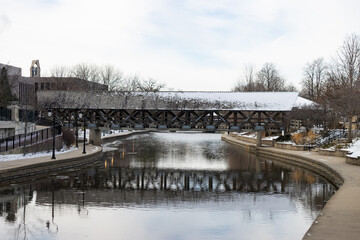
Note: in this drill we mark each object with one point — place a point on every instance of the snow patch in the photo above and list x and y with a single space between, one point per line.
354 149
11 157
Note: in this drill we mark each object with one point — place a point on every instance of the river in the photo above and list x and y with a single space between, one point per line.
167 186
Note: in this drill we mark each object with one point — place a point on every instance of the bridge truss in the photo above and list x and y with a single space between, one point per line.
208 120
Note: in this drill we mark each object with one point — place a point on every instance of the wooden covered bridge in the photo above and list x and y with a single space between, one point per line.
208 111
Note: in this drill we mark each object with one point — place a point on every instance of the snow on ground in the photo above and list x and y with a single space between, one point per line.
11 157
271 138
354 149
253 135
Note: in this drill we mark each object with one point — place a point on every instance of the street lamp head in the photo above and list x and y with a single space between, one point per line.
49 113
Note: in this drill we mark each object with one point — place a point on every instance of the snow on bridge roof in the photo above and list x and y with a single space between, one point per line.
303 102
175 100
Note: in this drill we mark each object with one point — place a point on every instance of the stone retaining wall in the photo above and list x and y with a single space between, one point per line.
24 173
301 161
336 153
291 146
353 161
252 140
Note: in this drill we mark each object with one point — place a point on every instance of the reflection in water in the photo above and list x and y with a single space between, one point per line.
168 186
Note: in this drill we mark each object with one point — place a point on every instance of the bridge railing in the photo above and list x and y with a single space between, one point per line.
21 140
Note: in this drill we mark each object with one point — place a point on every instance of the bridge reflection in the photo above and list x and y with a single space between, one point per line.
145 187
189 180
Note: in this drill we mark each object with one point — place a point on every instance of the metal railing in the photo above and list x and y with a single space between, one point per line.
332 135
31 138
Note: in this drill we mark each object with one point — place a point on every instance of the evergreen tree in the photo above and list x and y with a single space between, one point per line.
5 90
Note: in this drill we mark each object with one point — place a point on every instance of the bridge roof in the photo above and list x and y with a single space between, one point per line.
175 100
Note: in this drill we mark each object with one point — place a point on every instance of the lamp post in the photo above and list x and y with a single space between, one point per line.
76 130
51 112
84 148
84 151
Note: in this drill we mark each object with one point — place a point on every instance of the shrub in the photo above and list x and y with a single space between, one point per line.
304 138
311 136
285 138
298 138
68 137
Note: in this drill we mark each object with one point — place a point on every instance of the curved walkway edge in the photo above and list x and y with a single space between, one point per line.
340 218
116 136
12 171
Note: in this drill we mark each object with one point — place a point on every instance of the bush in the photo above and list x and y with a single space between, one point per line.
304 138
68 137
285 138
298 138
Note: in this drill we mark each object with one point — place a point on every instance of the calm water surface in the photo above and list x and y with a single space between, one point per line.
167 186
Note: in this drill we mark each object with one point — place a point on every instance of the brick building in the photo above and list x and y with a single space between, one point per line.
25 88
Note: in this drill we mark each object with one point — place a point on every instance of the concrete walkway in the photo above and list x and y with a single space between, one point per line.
7 165
340 218
90 150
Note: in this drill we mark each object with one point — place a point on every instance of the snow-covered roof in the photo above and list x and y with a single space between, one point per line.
303 102
246 101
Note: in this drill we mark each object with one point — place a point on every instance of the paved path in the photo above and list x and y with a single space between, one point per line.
30 161
340 218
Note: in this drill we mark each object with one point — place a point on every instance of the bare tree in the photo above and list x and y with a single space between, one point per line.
270 79
290 88
107 75
111 77
150 85
314 79
89 72
58 74
60 71
267 79
130 83
246 82
309 115
343 83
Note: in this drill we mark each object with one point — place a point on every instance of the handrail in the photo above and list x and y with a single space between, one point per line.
20 140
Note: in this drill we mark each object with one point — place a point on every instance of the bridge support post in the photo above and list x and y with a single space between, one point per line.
95 137
258 139
259 130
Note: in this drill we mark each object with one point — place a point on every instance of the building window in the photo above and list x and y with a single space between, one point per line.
36 86
42 86
47 86
52 86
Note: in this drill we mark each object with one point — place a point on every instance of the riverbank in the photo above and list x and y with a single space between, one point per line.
340 218
23 170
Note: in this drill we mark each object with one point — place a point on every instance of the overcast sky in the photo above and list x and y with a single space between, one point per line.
188 45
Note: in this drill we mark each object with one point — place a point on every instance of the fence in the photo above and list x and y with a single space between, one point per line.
21 140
